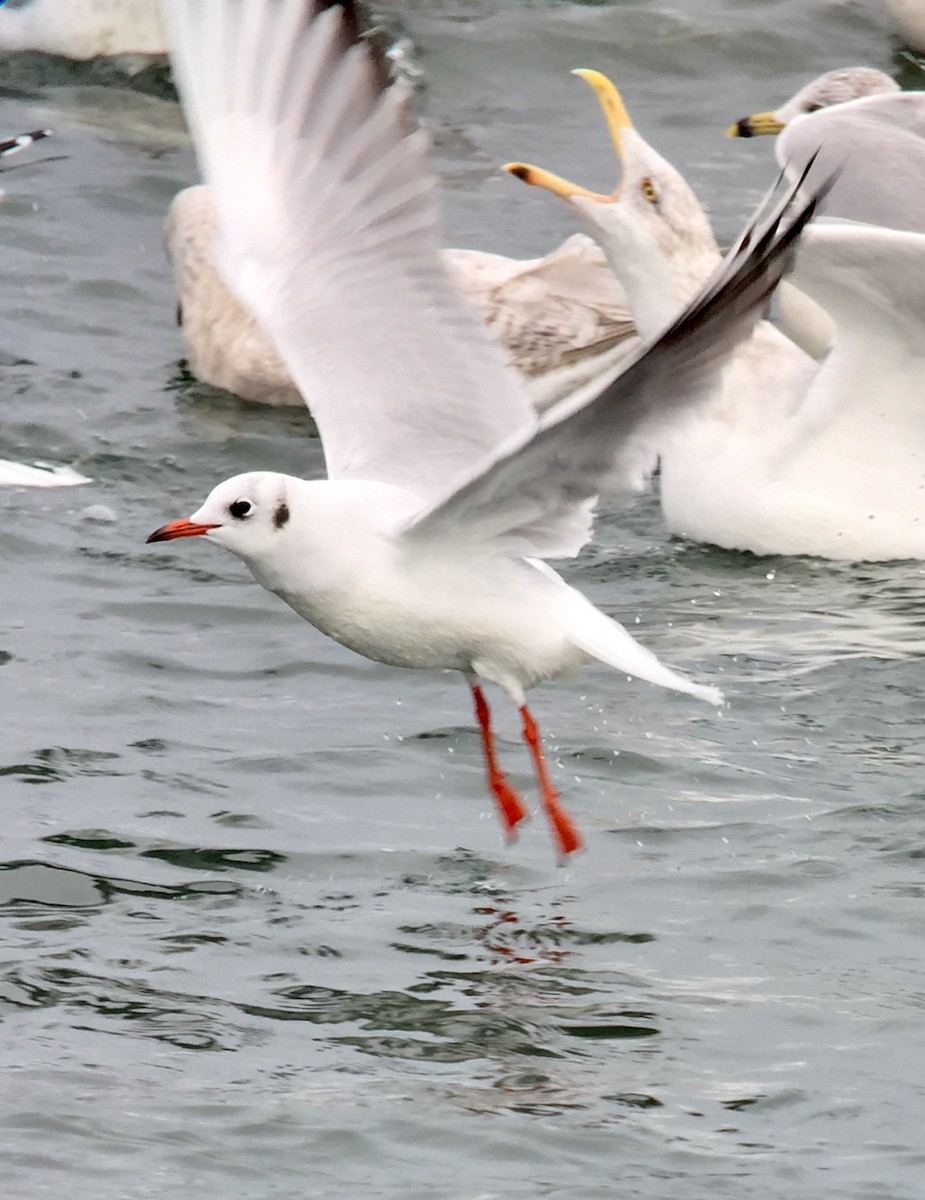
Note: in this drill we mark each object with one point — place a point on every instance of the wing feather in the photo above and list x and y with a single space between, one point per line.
540 485
877 146
327 207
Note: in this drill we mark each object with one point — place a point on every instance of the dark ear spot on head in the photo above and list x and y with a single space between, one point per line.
281 516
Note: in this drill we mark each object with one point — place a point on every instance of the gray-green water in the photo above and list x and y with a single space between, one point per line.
260 934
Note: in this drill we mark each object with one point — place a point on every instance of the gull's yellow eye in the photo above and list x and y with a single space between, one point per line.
648 190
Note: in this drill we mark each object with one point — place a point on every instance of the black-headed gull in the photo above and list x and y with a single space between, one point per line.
424 546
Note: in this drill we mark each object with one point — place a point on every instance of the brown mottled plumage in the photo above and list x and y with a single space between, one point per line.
561 320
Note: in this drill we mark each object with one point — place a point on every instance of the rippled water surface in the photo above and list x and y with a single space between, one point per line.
261 937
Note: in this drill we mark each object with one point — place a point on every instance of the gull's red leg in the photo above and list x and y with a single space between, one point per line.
510 805
563 828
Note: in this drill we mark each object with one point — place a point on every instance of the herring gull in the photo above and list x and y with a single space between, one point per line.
786 456
834 87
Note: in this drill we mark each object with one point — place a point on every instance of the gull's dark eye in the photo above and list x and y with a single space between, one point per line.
240 509
811 107
649 190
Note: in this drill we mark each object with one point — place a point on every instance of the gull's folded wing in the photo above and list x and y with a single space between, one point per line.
871 386
328 209
876 145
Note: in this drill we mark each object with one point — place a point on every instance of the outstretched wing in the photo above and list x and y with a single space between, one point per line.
540 484
328 210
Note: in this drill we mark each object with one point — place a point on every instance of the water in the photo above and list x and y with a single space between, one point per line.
260 934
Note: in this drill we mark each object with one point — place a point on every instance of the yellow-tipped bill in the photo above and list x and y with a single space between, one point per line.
617 119
612 106
755 125
538 177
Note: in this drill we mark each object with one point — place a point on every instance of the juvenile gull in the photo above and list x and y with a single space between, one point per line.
424 546
561 319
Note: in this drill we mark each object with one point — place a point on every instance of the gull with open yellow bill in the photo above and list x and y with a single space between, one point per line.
787 456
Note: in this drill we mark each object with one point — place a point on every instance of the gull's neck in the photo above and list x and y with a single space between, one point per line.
661 276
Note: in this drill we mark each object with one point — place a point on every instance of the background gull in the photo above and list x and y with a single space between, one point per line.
833 87
82 29
42 475
17 474
444 490
858 121
876 143
909 16
561 319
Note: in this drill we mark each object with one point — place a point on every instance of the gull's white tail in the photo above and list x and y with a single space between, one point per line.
606 640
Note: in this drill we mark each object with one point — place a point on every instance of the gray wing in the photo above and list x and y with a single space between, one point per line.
877 147
534 495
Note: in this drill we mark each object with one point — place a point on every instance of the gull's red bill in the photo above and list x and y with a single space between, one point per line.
178 529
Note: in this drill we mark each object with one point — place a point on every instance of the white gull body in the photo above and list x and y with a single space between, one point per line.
424 546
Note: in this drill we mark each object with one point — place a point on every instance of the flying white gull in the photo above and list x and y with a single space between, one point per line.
13 145
561 320
784 457
424 546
